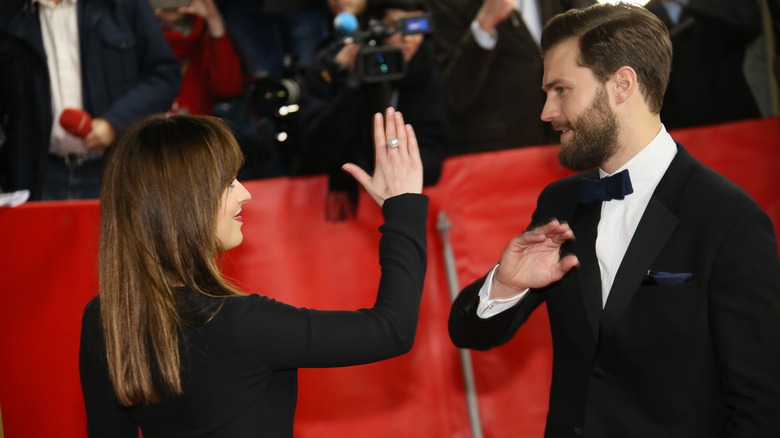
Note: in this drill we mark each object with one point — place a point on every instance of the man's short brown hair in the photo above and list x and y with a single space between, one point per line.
611 36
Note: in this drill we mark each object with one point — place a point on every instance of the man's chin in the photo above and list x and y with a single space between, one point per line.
573 162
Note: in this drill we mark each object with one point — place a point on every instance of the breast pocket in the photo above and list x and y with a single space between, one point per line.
661 278
120 60
669 300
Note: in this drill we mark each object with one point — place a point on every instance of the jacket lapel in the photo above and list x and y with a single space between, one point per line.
656 226
654 229
585 224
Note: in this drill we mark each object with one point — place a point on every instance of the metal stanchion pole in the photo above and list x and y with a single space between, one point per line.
443 224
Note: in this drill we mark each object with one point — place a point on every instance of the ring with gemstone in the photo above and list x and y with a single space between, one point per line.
392 142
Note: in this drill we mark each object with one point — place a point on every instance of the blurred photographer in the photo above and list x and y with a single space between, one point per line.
389 63
211 68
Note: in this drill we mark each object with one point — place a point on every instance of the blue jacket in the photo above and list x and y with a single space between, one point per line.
128 72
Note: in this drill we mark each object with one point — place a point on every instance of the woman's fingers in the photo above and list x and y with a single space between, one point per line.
391 136
411 143
400 132
359 174
380 142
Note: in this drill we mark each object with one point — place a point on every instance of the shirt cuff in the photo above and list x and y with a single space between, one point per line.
490 307
485 40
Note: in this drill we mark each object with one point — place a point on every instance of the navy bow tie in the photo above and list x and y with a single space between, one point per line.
608 188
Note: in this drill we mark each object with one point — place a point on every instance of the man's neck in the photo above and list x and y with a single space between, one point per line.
633 136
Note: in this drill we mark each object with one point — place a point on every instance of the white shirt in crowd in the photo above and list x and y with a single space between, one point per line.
60 31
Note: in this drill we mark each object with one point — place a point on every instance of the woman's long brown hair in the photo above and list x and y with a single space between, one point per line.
161 190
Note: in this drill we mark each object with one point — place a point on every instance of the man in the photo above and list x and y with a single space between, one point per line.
488 52
664 303
106 57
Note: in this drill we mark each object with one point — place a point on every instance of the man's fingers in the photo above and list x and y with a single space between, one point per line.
561 236
568 263
537 234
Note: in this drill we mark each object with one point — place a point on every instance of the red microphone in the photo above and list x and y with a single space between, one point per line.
76 121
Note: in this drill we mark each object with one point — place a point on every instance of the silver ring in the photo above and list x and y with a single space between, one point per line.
392 142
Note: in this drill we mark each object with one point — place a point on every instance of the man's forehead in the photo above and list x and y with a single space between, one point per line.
560 63
565 52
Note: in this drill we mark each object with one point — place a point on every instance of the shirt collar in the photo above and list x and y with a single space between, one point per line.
648 166
51 4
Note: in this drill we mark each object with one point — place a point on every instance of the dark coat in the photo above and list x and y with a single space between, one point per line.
494 97
128 72
696 359
707 84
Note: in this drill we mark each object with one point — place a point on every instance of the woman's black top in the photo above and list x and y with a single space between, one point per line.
239 368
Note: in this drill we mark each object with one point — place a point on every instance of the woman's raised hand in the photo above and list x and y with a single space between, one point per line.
398 167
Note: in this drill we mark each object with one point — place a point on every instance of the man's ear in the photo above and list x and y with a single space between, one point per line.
625 84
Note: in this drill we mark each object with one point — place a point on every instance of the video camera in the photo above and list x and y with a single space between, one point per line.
376 62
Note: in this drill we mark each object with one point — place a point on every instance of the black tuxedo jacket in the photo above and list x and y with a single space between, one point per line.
693 355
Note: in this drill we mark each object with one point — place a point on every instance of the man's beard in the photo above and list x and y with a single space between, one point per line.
595 136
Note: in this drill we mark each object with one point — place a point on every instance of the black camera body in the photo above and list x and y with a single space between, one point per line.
378 63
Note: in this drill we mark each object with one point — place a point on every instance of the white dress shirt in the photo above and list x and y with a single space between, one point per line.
532 17
619 219
60 31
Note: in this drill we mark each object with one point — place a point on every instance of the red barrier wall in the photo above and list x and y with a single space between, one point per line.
47 274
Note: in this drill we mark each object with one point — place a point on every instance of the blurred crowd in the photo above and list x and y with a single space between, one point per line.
298 80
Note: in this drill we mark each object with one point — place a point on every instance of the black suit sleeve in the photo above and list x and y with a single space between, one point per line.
744 310
467 330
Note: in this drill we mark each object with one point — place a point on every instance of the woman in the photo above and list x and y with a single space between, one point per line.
169 346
